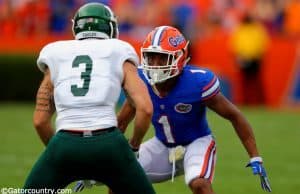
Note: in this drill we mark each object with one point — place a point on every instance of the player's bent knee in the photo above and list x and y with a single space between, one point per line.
201 186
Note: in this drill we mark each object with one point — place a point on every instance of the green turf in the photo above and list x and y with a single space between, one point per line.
277 133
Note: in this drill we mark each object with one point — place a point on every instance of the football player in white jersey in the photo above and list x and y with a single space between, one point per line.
82 83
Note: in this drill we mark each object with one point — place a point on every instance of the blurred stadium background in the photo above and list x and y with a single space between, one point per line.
211 25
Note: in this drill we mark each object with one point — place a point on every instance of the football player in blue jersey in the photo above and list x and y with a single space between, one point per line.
180 94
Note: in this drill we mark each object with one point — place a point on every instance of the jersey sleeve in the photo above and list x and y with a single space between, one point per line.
43 60
130 54
210 87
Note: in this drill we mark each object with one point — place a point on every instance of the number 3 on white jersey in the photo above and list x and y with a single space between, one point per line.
167 128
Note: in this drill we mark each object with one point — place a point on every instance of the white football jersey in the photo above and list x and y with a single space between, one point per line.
87 76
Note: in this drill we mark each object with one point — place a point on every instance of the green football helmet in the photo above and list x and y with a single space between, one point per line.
95 20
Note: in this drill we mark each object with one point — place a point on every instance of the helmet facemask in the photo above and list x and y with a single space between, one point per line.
166 68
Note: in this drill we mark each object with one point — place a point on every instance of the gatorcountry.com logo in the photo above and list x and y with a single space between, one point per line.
183 108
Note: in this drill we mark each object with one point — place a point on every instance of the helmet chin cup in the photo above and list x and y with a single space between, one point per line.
158 75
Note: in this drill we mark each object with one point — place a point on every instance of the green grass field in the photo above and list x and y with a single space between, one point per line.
277 134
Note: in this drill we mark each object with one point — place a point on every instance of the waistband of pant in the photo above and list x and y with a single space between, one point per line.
88 133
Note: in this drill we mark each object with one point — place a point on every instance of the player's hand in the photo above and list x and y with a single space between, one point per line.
258 169
80 185
134 149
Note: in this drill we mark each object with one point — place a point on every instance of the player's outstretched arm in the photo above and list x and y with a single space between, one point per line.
229 111
125 115
44 109
138 94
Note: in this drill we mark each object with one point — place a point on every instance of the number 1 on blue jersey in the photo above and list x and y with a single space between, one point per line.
167 128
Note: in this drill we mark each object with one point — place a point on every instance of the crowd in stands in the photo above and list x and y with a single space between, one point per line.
197 19
136 17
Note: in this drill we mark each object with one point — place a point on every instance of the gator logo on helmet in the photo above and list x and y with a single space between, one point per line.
183 108
177 40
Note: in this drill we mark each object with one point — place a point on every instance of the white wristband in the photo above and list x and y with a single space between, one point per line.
256 159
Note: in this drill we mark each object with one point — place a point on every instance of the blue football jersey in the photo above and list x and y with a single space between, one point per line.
180 117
